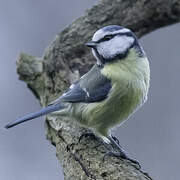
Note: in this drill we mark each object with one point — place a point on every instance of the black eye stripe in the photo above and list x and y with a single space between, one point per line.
106 38
110 36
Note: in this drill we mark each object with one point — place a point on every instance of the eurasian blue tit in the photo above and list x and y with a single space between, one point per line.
115 87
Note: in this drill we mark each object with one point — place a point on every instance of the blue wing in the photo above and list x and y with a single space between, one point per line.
92 87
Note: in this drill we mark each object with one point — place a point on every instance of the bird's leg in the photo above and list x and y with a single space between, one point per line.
121 152
116 139
116 145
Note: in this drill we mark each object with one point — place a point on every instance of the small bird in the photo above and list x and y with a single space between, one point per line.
115 87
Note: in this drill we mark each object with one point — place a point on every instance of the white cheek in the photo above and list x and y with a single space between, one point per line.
115 46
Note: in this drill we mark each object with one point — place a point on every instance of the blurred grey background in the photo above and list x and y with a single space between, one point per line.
151 135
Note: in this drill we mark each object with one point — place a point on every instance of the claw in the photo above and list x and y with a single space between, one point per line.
116 154
120 151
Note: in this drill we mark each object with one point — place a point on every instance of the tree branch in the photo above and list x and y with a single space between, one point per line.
66 59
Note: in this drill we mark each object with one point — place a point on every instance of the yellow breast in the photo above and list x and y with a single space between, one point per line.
130 84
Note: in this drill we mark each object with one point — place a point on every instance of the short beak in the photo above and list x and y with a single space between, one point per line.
91 44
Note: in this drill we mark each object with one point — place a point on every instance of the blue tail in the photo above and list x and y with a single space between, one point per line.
31 116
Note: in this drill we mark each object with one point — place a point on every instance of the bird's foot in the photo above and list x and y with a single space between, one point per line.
119 151
115 139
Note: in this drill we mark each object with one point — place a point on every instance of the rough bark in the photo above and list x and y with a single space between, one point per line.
66 59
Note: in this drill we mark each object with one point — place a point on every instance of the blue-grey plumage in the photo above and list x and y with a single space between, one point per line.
31 116
112 90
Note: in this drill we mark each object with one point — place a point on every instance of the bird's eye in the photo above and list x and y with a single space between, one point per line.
107 38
